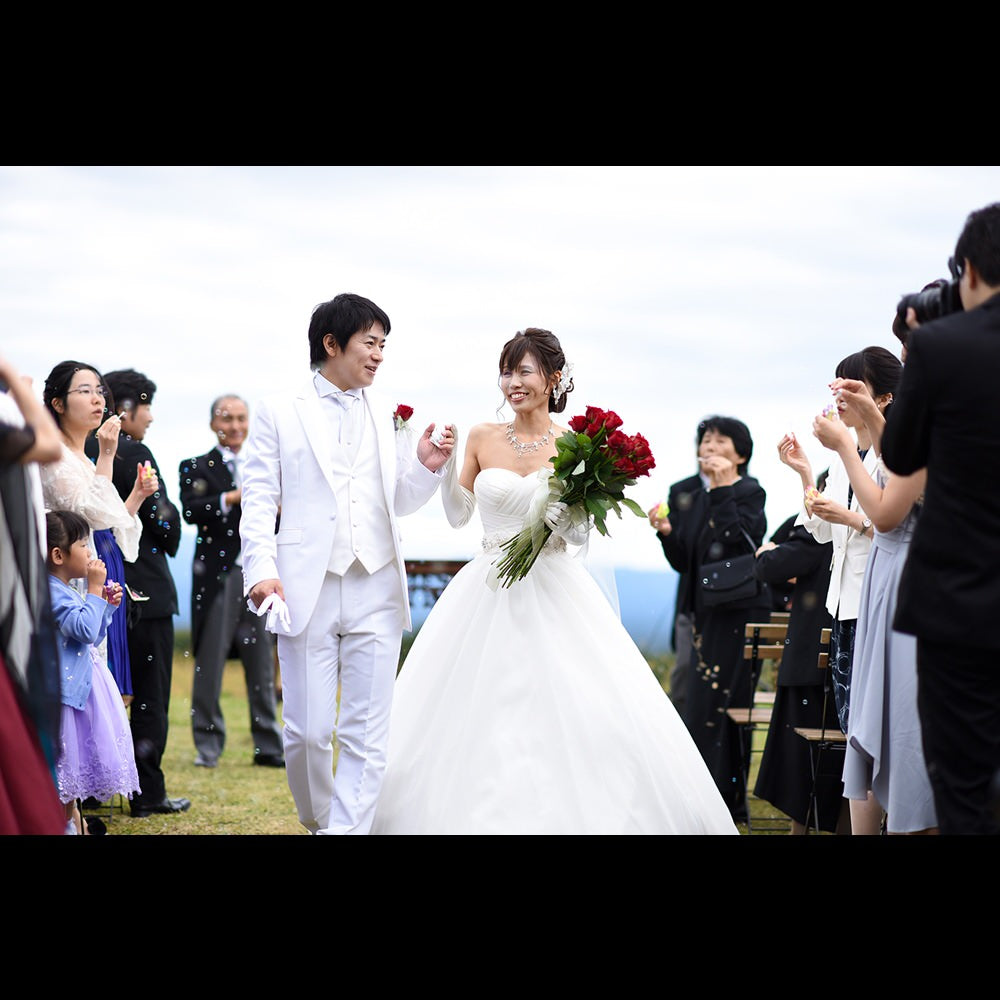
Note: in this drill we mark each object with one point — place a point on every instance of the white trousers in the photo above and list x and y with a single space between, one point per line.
352 642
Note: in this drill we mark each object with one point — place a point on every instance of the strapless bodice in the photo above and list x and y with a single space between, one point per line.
504 498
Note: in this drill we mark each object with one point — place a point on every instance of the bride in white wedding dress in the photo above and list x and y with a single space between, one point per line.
528 709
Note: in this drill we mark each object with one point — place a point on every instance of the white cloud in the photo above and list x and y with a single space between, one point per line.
677 291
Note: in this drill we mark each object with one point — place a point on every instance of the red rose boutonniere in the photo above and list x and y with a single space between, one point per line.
402 414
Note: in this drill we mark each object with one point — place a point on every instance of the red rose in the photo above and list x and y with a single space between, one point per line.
578 424
403 411
611 420
631 455
642 457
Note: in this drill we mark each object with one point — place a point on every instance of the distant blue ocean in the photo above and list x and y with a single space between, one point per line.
646 599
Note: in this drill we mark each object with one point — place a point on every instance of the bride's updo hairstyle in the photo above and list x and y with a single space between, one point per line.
543 346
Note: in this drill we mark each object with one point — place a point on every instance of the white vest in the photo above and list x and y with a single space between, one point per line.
362 529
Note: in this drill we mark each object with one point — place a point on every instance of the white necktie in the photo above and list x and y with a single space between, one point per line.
350 422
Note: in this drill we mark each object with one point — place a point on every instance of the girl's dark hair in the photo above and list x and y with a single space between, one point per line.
544 347
59 380
735 430
880 368
64 528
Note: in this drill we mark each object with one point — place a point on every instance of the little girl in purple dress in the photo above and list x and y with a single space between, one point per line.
96 756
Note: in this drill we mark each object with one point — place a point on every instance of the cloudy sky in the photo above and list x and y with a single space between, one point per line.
676 291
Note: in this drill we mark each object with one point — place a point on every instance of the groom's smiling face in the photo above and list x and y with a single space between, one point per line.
354 366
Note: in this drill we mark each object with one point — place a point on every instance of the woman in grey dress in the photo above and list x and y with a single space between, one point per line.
884 753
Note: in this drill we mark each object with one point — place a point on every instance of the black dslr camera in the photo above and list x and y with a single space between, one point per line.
939 298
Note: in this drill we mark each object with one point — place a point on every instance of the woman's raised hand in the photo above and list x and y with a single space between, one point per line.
146 480
790 452
856 398
830 510
832 434
107 435
720 470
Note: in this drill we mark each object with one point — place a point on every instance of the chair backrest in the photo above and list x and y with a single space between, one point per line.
765 640
824 649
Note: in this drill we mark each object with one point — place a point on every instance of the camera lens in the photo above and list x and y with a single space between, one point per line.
939 298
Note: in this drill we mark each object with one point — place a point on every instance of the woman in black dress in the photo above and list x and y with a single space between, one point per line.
785 776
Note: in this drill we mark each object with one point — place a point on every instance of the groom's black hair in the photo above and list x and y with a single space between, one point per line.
343 316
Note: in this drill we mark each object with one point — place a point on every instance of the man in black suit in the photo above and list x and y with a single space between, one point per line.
945 419
211 496
151 622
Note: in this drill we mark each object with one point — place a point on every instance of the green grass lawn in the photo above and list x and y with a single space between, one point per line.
238 798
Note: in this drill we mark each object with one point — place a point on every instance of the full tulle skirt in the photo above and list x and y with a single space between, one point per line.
530 710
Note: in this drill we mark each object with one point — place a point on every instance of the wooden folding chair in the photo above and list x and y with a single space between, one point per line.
822 739
763 641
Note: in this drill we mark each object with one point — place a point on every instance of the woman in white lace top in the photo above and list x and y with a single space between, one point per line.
77 397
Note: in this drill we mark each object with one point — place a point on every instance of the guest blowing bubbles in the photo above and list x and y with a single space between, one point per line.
79 399
726 518
836 515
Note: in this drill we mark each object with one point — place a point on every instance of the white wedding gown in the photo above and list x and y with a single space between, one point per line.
529 710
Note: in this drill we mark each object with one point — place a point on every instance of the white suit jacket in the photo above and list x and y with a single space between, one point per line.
288 468
850 550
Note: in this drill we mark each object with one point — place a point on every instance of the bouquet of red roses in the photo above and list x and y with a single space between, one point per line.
594 463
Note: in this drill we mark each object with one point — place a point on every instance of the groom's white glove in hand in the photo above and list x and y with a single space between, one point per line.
459 503
278 615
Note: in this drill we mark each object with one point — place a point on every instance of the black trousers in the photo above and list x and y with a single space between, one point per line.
151 651
958 699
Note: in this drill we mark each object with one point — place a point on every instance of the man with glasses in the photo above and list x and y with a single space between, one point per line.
945 418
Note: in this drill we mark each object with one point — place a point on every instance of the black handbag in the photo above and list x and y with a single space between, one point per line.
730 580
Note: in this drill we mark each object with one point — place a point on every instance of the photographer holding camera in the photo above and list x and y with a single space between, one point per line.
945 418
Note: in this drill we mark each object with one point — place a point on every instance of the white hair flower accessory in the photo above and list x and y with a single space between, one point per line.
565 382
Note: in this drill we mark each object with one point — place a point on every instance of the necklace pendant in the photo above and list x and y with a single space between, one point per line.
532 446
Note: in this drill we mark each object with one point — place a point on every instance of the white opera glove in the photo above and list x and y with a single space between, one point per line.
459 503
569 523
278 615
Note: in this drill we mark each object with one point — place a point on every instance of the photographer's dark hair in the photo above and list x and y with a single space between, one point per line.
880 368
544 347
735 430
980 243
63 528
61 378
343 316
130 388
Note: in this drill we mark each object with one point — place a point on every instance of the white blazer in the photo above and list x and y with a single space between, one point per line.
288 469
850 549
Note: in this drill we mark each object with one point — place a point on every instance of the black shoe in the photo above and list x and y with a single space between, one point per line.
166 806
91 804
201 761
95 826
269 760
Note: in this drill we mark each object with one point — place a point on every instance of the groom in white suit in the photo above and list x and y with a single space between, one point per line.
329 460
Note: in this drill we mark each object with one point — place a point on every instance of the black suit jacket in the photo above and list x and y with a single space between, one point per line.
944 418
161 532
799 555
712 529
203 480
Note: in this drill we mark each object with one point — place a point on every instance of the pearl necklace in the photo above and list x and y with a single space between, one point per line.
525 449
